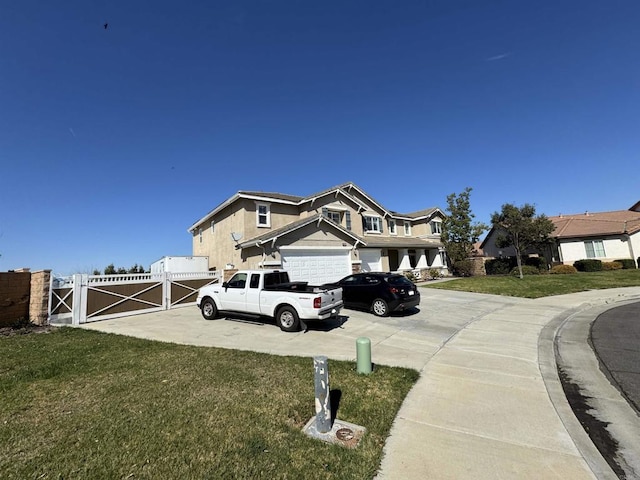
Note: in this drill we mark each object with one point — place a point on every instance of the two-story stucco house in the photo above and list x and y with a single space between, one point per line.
319 238
605 236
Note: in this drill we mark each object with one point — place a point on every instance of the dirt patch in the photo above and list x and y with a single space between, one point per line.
25 330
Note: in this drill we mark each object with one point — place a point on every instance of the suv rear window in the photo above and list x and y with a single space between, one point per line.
399 281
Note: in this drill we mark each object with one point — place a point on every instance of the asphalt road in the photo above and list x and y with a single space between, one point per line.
615 336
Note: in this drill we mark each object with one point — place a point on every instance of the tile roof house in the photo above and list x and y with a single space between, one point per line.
318 238
606 236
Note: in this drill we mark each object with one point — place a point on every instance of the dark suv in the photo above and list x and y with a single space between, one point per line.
380 293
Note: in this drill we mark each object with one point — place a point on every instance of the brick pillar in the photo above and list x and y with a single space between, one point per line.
39 298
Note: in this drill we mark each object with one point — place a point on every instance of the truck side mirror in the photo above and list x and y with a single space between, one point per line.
225 285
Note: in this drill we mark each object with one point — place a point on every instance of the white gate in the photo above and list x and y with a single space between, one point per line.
86 298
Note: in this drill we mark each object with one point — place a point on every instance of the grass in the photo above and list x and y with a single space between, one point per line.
536 286
83 404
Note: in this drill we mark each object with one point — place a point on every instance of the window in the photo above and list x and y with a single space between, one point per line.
335 216
594 248
443 257
407 228
200 234
239 280
263 215
347 219
255 280
436 227
392 227
373 224
352 280
212 225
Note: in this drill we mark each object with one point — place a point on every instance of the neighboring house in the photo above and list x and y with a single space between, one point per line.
605 236
319 238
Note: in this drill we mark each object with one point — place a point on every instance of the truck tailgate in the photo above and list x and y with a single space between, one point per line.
331 297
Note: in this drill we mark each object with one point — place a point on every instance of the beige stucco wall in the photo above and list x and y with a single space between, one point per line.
218 245
614 248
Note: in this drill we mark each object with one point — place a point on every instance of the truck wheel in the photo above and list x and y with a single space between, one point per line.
287 319
380 308
209 309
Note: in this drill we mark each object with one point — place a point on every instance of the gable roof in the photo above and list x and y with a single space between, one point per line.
275 234
618 222
341 189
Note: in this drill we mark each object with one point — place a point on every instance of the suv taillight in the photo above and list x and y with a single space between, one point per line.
317 302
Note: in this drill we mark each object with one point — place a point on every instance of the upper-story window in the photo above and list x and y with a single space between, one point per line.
392 227
372 224
200 234
436 227
594 248
263 215
407 228
335 216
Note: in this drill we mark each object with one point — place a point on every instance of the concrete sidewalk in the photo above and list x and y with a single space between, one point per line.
488 403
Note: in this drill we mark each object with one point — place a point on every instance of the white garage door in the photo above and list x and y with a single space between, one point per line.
316 266
371 261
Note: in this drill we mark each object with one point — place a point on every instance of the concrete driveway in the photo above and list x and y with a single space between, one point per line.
407 339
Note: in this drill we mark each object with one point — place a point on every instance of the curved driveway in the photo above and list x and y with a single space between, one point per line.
488 403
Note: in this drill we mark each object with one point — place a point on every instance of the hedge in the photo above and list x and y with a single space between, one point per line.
627 263
588 265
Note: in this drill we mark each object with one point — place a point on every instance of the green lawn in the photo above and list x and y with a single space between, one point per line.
536 286
82 404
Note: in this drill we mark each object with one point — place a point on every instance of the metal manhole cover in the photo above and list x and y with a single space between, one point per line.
345 434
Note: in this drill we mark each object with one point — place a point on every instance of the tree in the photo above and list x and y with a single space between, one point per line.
110 270
520 228
459 232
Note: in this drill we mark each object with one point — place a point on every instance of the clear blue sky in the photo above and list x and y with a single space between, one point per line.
114 141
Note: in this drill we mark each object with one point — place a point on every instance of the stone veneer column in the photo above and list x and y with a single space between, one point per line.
39 298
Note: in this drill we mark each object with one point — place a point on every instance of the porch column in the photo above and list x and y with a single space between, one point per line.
422 258
405 264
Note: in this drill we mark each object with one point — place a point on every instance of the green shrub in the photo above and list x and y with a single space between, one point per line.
588 265
499 266
463 268
627 263
563 269
539 262
526 270
410 276
611 266
434 274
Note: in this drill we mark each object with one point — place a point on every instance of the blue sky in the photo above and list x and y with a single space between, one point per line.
114 141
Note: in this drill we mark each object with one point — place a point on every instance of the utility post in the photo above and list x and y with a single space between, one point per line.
323 399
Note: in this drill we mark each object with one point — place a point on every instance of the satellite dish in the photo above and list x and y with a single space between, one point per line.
236 236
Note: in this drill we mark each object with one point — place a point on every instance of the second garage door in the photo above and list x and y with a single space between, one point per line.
316 266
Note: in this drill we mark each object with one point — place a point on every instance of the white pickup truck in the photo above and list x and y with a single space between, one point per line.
270 293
